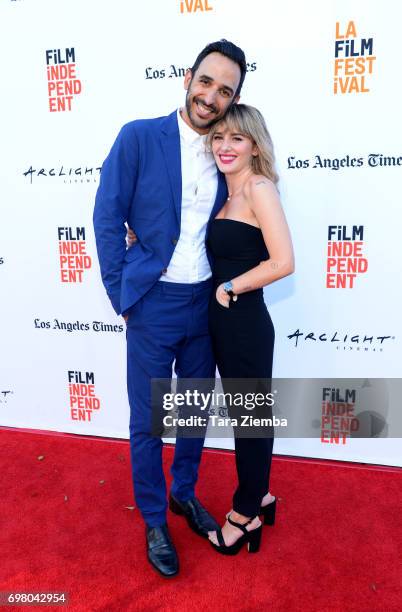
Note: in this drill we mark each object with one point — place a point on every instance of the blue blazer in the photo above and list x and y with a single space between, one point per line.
141 184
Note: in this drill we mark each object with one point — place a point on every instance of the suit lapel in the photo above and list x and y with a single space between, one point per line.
170 141
221 195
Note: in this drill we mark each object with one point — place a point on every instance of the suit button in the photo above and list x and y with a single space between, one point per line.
174 241
164 271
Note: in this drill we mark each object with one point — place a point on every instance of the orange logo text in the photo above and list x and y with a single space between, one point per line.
354 60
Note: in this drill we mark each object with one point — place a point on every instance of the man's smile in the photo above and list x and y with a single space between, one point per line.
203 110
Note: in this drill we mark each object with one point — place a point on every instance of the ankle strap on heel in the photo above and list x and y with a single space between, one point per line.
239 525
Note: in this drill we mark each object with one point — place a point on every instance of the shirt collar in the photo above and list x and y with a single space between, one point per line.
189 136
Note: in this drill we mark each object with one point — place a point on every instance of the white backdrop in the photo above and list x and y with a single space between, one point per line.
127 61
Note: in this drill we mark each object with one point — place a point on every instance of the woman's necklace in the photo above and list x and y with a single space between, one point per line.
231 195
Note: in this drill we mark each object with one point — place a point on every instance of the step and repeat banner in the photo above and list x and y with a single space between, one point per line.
325 76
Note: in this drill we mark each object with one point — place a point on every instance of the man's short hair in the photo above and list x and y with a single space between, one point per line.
228 49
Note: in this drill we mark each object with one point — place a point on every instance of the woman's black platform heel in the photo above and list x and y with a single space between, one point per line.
269 512
253 539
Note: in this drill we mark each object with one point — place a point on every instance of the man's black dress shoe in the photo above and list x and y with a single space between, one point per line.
161 551
195 514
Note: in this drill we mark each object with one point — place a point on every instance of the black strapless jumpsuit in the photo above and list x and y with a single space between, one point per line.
243 342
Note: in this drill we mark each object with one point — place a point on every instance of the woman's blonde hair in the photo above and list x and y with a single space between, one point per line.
247 120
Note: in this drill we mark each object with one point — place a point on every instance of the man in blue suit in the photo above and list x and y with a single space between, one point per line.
161 180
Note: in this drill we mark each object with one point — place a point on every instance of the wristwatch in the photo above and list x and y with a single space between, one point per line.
228 288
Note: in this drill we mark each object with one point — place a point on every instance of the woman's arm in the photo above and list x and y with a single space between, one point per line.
265 204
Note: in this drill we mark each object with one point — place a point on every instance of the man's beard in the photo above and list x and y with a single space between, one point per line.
198 123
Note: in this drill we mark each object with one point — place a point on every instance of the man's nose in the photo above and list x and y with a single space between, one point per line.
209 98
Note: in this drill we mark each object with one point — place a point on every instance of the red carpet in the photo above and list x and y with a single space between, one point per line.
66 527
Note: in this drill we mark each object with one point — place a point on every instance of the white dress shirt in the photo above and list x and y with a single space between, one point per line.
189 263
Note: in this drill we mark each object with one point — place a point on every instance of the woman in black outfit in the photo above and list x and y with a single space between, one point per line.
252 248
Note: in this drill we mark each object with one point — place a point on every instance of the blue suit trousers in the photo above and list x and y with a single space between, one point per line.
168 325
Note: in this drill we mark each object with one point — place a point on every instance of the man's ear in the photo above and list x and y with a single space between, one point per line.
236 100
187 79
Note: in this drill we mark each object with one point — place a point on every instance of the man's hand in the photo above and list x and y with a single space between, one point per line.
131 238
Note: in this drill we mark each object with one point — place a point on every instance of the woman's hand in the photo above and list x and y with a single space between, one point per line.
222 297
131 238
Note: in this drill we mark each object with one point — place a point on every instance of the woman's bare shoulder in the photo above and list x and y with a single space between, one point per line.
258 186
